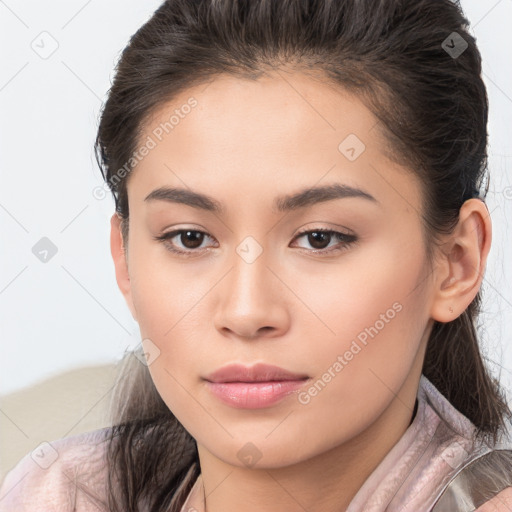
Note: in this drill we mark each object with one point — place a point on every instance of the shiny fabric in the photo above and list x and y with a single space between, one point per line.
434 467
477 482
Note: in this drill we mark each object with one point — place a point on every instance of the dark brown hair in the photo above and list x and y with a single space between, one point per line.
432 109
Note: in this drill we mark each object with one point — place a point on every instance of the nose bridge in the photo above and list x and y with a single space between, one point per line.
250 273
248 294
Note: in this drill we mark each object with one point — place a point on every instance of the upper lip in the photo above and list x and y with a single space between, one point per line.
257 373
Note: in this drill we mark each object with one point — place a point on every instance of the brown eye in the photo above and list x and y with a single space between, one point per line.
317 239
320 239
191 239
184 242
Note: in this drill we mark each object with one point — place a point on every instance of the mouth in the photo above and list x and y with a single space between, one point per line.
253 387
257 373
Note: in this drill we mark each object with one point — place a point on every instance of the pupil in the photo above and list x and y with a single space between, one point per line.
195 238
315 236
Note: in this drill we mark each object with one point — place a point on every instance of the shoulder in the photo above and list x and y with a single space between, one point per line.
495 473
485 482
499 475
502 502
65 474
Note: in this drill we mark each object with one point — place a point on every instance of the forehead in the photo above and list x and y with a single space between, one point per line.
284 131
276 106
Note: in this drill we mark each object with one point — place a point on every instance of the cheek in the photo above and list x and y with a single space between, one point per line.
379 315
376 310
170 311
164 291
382 286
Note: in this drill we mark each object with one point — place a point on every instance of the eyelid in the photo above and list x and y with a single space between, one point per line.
348 239
323 226
165 237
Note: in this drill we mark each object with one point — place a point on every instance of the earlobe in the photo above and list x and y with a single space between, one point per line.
462 261
120 259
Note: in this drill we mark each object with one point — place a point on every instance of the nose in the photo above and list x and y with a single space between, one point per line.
251 301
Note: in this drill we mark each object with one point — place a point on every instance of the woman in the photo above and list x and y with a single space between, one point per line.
301 234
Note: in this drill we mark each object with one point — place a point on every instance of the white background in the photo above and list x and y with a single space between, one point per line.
68 312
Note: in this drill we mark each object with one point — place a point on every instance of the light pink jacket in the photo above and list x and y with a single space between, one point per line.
435 466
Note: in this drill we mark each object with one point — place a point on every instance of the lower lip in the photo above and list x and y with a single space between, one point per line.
254 395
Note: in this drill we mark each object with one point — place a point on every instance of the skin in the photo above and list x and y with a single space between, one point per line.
243 144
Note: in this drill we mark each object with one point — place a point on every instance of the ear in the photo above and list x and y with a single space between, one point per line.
461 262
120 257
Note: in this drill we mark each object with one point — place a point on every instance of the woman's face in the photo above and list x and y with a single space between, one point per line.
351 312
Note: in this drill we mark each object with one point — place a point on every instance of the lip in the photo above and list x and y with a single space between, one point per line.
253 387
257 373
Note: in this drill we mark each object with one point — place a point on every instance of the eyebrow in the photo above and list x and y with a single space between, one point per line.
302 199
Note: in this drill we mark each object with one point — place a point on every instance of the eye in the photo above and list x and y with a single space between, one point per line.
191 239
321 238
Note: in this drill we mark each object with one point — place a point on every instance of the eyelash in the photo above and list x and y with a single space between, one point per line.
346 240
